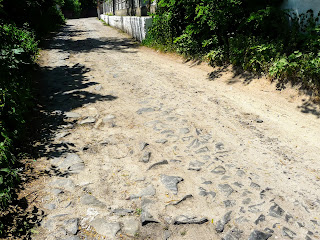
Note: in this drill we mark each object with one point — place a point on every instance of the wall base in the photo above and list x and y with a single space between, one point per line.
137 27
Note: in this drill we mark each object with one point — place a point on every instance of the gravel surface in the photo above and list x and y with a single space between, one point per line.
147 146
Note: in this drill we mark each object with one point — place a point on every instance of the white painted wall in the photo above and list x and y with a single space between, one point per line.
302 6
136 27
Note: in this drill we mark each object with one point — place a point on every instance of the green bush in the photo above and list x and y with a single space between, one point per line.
42 16
256 35
73 6
18 54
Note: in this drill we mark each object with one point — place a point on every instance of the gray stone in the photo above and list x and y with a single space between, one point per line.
207 182
166 235
288 233
242 210
146 216
91 200
268 230
187 138
50 206
72 115
72 225
219 146
62 135
255 208
163 162
104 228
98 87
240 173
87 120
241 220
276 211
175 161
182 219
202 150
246 201
181 200
204 193
108 118
257 235
145 157
148 191
130 226
260 219
72 163
195 143
64 183
184 130
240 185
221 223
226 189
288 217
233 234
195 165
229 203
315 222
56 191
167 132
122 211
171 182
255 185
162 141
145 110
246 193
72 238
259 121
206 157
219 170
143 145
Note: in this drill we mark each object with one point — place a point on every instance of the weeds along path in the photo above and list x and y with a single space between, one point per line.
140 145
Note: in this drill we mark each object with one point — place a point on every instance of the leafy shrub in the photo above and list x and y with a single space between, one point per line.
256 35
18 53
74 6
42 16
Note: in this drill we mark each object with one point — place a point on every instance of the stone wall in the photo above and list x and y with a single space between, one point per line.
137 27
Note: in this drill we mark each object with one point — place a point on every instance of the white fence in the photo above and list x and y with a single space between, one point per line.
136 27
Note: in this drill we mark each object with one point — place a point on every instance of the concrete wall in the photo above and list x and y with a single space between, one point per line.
302 6
137 27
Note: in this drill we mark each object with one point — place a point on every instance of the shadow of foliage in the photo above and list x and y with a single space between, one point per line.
58 89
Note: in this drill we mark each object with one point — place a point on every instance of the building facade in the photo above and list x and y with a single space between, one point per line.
128 7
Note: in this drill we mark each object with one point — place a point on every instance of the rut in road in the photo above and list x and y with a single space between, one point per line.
144 146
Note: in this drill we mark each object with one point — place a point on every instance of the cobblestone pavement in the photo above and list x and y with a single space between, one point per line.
144 146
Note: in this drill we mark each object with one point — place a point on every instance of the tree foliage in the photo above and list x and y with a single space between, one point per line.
256 35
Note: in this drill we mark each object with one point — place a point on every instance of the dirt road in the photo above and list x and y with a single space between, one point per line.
145 146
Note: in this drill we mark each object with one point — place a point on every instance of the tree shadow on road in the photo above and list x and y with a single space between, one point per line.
238 75
309 105
59 89
64 43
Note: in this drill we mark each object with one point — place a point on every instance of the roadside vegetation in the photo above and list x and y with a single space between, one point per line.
23 24
257 36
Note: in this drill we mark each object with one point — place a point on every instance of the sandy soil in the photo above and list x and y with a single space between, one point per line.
239 149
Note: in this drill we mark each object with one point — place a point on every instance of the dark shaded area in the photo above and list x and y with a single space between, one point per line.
59 89
239 75
308 106
64 44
